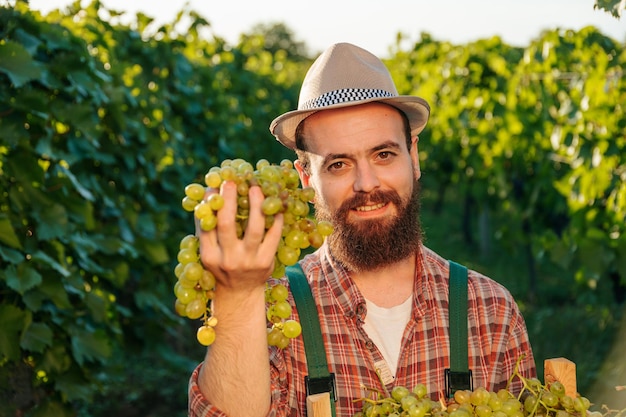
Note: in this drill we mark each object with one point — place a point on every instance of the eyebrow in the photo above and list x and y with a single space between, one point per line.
389 144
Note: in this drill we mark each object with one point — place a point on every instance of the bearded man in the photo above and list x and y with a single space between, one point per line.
381 296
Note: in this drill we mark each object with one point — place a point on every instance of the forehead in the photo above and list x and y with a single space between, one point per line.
353 128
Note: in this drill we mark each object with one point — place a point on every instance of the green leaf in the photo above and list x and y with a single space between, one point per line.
73 386
97 306
10 255
83 191
55 359
51 408
54 222
7 233
22 278
36 337
90 345
44 258
17 64
614 7
52 290
13 321
155 251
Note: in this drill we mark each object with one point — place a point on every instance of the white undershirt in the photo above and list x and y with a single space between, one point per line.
385 326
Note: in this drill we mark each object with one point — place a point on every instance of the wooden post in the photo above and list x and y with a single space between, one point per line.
318 405
562 370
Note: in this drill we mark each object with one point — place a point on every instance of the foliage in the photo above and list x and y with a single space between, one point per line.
101 128
103 124
615 7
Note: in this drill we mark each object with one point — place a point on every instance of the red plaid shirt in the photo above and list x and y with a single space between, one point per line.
497 338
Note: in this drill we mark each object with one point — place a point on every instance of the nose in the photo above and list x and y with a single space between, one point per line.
366 179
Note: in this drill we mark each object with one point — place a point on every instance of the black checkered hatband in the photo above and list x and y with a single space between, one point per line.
345 95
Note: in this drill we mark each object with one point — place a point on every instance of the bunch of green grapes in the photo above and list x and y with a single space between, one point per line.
534 400
280 185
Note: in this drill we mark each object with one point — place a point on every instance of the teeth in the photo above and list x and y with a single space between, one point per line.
370 208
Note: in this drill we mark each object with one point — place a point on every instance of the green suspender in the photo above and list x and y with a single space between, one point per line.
319 379
459 376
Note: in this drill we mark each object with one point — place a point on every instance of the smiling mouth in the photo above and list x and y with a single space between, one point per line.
370 208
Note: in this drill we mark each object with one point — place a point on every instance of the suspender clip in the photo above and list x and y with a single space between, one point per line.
320 385
458 380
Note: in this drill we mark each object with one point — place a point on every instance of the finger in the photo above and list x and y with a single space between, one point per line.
272 237
226 231
255 229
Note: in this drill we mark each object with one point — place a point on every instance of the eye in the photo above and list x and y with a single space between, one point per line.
385 155
336 166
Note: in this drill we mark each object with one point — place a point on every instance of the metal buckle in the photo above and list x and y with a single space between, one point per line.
458 380
321 384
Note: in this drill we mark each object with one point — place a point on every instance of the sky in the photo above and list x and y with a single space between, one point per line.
374 24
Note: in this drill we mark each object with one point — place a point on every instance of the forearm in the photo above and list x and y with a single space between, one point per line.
235 376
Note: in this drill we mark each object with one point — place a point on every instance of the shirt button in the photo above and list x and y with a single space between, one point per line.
369 344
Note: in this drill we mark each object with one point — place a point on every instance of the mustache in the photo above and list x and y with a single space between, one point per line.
374 197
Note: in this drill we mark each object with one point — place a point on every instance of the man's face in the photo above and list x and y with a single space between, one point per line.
366 184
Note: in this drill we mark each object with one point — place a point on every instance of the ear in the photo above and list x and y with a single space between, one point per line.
415 157
304 177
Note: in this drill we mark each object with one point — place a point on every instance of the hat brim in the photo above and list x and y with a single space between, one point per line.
415 108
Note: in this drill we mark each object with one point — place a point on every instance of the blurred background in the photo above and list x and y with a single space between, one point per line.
108 110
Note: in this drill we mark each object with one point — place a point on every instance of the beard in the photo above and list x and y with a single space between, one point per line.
368 245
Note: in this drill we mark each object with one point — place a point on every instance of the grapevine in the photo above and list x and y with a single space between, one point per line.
534 400
195 285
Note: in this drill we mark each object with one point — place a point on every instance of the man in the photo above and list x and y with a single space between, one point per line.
382 296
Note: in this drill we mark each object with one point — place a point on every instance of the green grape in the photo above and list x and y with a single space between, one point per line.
495 403
462 396
291 329
213 179
194 191
479 396
208 223
202 210
189 242
288 255
282 309
271 205
206 335
189 203
399 392
216 202
193 272
297 239
279 293
178 269
325 228
549 399
274 336
557 388
187 255
420 390
511 406
195 286
185 294
196 308
408 401
207 280
180 308
483 410
530 402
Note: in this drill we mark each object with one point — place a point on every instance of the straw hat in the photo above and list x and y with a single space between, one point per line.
346 75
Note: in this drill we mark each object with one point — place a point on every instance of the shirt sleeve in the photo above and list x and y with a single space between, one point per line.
199 405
